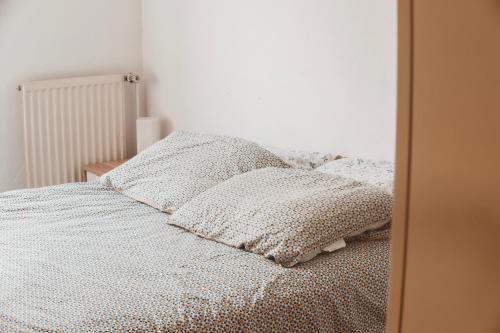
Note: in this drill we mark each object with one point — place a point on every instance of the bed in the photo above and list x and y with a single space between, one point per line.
81 257
84 257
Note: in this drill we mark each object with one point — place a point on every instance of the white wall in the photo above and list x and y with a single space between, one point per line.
58 38
308 74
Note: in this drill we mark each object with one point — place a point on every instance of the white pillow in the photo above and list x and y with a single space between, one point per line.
305 160
289 215
185 164
377 173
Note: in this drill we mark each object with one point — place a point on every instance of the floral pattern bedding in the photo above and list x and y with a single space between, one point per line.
288 215
185 164
84 258
303 159
377 173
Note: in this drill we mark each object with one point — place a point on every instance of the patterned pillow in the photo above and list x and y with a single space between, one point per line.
377 173
184 164
286 214
303 159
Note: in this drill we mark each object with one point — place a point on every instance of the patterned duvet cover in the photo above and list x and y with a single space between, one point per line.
83 258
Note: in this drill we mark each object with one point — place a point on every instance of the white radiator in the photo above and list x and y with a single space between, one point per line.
71 122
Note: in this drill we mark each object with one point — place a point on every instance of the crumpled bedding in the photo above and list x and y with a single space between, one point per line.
83 258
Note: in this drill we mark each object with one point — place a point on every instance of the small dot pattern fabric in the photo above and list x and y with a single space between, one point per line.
288 215
184 164
377 173
84 258
303 159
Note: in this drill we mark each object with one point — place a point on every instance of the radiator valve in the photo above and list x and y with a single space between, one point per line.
132 78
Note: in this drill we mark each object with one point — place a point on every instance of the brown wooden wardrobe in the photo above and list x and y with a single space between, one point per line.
445 274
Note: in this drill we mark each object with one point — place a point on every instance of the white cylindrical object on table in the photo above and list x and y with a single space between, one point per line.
148 132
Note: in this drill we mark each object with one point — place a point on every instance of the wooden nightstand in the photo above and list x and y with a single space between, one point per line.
94 171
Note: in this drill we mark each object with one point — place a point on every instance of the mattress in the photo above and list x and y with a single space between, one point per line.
81 257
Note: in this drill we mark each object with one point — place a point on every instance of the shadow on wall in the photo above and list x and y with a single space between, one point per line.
12 173
166 125
4 4
3 9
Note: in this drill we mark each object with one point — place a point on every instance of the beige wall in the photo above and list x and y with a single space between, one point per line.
309 74
54 38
